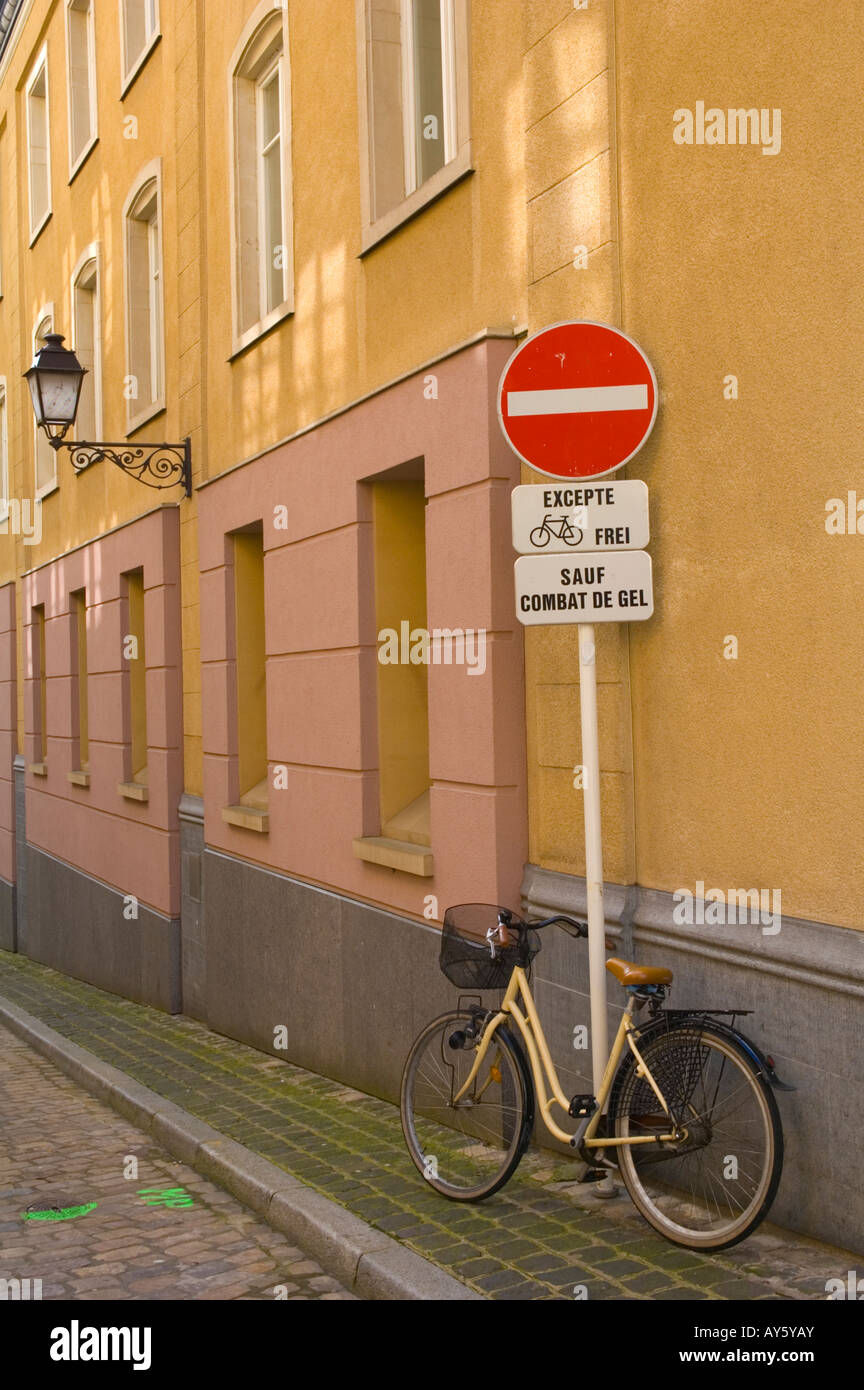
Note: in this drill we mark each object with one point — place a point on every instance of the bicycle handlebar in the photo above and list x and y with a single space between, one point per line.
568 924
572 928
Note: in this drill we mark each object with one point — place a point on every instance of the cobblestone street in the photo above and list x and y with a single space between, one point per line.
60 1148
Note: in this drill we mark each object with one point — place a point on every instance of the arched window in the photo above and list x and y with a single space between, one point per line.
86 341
145 338
261 187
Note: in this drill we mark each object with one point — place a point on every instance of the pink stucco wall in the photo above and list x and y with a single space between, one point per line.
132 846
322 648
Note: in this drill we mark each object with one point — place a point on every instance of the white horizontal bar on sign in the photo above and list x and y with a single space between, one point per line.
577 400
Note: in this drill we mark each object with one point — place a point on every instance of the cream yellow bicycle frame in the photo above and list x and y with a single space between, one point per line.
546 1077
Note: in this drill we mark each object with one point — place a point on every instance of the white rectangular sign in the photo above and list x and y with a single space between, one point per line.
580 515
614 587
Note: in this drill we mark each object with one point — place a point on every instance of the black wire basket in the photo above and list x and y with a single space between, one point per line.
472 955
677 1068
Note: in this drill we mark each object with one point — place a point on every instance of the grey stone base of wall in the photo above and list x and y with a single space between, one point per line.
351 985
805 984
77 925
192 919
8 918
19 928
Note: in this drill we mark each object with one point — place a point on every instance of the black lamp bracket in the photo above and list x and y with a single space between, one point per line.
154 465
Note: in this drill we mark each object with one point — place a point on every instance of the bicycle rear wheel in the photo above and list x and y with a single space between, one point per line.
710 1189
465 1149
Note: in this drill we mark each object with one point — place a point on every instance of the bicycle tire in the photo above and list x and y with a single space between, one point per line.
435 1141
665 1185
540 531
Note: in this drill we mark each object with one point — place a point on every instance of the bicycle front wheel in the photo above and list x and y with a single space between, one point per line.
713 1186
465 1147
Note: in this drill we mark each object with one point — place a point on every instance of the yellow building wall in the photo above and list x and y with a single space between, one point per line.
453 271
250 648
159 117
719 261
398 511
573 272
358 322
736 263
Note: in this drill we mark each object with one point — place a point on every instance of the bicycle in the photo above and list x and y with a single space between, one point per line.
569 534
690 1110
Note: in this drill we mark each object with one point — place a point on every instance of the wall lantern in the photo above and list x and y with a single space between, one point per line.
55 382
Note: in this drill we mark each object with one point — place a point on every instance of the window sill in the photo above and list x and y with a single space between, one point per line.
133 791
260 330
78 778
434 188
78 164
38 769
137 422
396 854
43 492
35 235
136 67
247 818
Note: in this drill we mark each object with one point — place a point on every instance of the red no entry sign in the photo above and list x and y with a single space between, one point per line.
577 400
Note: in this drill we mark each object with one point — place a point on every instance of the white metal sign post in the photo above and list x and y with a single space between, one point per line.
576 402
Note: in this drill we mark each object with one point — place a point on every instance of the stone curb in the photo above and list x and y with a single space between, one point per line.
369 1263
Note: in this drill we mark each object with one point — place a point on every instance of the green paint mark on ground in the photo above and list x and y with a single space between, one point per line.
59 1213
166 1196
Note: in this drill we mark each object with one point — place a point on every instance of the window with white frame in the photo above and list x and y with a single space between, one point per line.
145 339
86 341
44 457
4 451
81 62
429 78
417 101
38 149
139 26
262 231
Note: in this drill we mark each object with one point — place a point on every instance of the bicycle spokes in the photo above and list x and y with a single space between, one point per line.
709 1185
463 1138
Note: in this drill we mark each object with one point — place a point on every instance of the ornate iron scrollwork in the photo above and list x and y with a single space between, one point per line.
154 465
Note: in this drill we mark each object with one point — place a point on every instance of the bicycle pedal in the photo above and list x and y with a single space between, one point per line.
581 1107
595 1175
